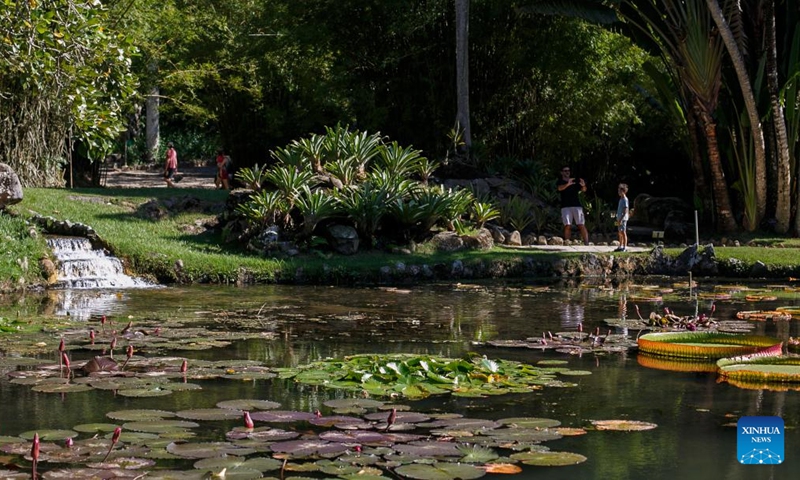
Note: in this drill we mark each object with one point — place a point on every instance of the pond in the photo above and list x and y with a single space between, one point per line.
289 326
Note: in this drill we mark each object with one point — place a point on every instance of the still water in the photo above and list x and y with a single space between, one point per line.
696 416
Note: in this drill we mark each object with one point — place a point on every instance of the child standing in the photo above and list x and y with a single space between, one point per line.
622 218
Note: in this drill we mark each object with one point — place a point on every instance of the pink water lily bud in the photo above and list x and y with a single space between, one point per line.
35 447
184 366
92 336
115 436
65 360
113 343
61 346
248 422
69 442
129 351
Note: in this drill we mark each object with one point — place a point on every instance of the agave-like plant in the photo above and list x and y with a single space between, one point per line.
458 206
424 168
366 205
516 213
344 169
400 186
313 148
291 156
483 212
362 148
253 178
397 160
436 204
315 206
263 208
289 181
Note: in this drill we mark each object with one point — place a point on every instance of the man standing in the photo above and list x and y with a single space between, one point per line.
170 165
571 208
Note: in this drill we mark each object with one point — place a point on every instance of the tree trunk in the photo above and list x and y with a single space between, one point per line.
462 70
750 103
783 172
701 191
152 132
722 202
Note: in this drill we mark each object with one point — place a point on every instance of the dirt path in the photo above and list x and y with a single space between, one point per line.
190 177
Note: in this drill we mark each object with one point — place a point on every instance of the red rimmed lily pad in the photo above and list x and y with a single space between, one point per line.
159 426
248 404
139 415
209 414
262 434
549 459
707 344
308 448
282 416
207 449
49 435
231 464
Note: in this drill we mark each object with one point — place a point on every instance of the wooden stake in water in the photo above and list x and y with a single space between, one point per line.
696 230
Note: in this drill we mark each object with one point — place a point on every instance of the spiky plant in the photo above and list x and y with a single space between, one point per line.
313 148
366 205
344 169
289 181
291 156
397 160
315 206
425 168
516 213
483 212
253 178
362 148
263 208
458 203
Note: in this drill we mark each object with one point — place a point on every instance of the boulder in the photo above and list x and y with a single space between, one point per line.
343 239
10 186
448 241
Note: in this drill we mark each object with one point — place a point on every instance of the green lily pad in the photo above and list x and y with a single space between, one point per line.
260 464
343 403
159 426
61 388
549 459
307 448
49 435
281 416
623 425
207 450
139 415
145 392
95 427
529 422
248 404
440 471
209 414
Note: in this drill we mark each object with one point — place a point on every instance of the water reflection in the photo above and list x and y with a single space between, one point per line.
301 324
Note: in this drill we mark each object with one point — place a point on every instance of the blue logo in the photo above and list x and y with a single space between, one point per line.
759 440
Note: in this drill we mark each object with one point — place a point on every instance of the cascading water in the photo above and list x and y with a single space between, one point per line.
83 267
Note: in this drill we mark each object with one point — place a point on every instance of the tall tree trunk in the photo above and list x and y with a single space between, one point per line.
750 103
722 201
783 172
701 191
152 131
462 70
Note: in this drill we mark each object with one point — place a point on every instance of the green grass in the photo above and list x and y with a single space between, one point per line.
19 254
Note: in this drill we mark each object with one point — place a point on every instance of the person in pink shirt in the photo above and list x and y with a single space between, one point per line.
171 165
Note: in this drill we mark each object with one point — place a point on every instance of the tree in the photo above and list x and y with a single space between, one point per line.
462 70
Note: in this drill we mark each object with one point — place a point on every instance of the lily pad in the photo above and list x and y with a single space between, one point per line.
260 464
248 404
307 448
159 426
529 422
207 449
549 459
95 427
440 471
623 425
353 402
282 416
49 435
209 414
139 415
707 344
145 392
782 369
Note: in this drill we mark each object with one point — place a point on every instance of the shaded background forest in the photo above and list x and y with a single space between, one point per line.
545 90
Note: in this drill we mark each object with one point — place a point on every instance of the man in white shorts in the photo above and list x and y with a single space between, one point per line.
571 208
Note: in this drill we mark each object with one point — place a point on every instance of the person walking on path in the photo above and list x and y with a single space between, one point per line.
170 165
223 176
622 218
571 208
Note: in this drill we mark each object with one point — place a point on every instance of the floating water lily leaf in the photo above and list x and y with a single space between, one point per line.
364 476
260 464
261 435
764 370
281 416
61 388
400 417
623 425
207 450
71 473
95 427
124 463
529 422
707 344
49 435
549 459
307 448
501 468
139 415
440 471
337 468
552 362
145 392
357 437
209 414
353 402
429 449
176 475
334 421
9 439
477 454
12 474
159 426
569 431
248 404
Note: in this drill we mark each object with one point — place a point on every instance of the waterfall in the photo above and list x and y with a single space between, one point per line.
81 266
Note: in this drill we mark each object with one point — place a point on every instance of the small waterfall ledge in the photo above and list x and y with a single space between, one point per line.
81 266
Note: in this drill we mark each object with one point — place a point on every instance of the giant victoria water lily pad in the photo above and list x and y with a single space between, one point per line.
761 370
707 344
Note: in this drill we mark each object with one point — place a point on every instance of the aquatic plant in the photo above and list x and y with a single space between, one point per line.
707 344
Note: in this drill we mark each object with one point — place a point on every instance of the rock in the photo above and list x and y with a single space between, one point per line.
530 239
49 269
343 239
759 269
699 262
556 241
10 186
481 241
541 240
515 239
498 236
448 241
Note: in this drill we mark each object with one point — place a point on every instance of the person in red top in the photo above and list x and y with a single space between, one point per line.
223 176
170 165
